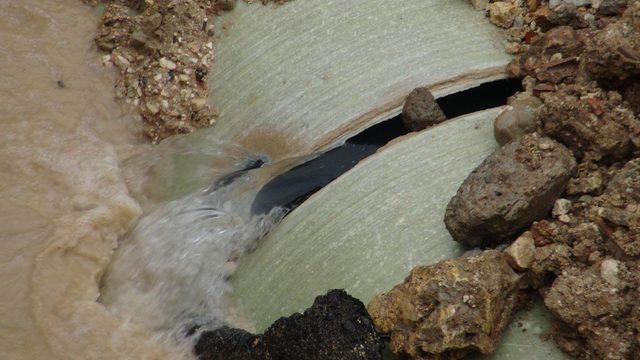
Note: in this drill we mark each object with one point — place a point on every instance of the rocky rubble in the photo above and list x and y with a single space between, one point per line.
577 238
163 51
336 327
592 122
581 59
586 269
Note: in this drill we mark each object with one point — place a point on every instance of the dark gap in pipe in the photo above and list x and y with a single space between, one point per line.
291 189
485 96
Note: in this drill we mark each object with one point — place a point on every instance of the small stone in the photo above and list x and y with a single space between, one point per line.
594 257
585 199
167 64
421 111
480 4
515 186
211 30
609 270
199 103
521 253
565 218
229 267
502 13
139 39
545 146
513 48
517 119
151 23
561 207
153 107
610 7
106 59
554 3
122 62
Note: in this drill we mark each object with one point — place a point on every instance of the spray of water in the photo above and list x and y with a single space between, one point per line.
169 272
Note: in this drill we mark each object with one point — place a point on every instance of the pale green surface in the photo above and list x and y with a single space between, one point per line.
367 229
307 68
522 339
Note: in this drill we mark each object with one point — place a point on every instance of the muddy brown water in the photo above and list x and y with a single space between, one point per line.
63 200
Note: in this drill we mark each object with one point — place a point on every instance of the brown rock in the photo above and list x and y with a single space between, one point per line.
614 53
513 187
611 7
551 59
617 211
590 121
117 25
517 119
480 4
521 253
502 13
449 309
598 310
626 182
589 179
549 261
421 111
561 207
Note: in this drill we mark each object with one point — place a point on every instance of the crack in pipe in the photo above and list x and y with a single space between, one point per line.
290 189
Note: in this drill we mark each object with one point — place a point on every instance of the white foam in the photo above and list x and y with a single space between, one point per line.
169 273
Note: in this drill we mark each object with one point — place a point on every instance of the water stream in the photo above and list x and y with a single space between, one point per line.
170 272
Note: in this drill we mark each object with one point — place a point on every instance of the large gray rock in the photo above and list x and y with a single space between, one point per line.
513 187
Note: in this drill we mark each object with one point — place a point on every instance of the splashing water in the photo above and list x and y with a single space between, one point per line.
169 273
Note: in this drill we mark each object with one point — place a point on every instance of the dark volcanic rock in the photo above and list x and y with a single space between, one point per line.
336 327
229 344
421 111
515 186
